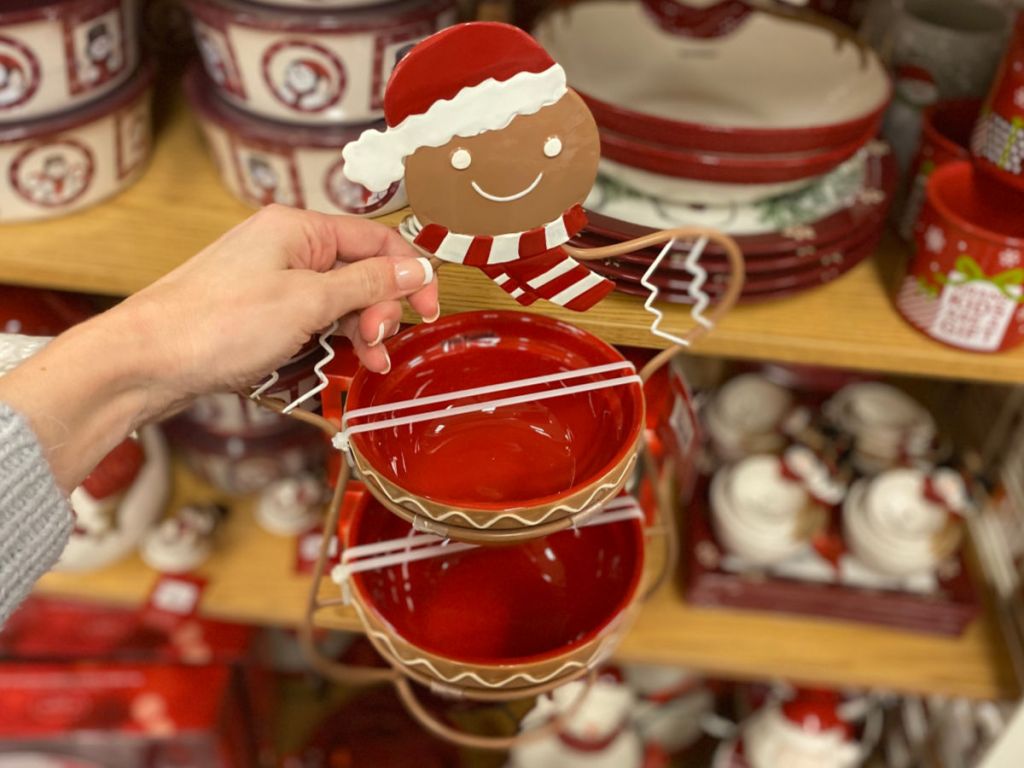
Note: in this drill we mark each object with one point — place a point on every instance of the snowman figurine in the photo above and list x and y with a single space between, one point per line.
671 707
807 731
497 154
183 542
600 734
291 505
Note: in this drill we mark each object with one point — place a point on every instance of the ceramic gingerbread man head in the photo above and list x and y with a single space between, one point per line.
497 154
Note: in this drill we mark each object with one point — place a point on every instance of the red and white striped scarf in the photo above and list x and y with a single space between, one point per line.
527 265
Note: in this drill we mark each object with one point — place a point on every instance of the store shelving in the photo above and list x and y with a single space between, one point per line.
180 206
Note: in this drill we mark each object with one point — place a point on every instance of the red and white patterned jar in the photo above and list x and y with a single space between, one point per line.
57 165
58 55
998 142
965 282
311 68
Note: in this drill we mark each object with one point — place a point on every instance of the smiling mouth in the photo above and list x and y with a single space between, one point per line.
507 198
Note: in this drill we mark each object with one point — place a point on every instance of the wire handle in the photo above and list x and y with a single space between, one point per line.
546 730
343 439
704 323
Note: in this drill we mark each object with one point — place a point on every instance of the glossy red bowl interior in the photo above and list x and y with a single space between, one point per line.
528 454
979 205
503 605
725 167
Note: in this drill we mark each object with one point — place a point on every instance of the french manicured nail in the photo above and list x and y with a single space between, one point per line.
433 318
387 357
411 274
380 336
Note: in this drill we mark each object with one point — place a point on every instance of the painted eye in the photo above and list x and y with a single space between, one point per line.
552 147
461 159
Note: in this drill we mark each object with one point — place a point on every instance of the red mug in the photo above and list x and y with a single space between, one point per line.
998 141
965 282
945 137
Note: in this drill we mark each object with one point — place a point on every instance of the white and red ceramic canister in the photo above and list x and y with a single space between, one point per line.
312 68
56 55
60 164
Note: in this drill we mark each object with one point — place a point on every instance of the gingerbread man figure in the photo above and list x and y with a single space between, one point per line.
497 154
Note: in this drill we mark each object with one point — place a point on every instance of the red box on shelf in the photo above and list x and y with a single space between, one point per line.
50 629
125 714
946 612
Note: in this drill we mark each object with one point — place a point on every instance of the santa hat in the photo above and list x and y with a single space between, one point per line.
462 81
817 711
317 68
9 62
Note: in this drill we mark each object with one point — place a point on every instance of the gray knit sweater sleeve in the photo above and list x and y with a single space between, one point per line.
35 519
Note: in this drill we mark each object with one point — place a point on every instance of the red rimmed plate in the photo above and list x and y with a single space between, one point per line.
499 618
730 94
513 467
869 207
674 291
727 167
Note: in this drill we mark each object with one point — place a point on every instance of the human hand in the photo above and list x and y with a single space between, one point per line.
220 322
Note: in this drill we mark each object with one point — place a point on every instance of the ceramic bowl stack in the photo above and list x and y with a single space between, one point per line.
74 105
288 83
747 415
712 132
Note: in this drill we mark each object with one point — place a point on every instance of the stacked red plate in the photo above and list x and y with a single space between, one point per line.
718 120
791 243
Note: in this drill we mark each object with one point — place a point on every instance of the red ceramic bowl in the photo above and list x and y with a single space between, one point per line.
998 141
527 455
945 137
863 213
965 282
511 606
726 167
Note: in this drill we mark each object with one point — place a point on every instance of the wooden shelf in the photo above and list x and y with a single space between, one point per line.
251 579
180 206
752 645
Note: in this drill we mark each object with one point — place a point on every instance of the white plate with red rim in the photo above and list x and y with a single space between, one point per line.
749 91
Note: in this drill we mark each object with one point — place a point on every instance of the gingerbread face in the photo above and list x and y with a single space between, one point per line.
511 180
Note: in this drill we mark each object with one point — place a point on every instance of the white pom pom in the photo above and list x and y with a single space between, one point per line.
372 161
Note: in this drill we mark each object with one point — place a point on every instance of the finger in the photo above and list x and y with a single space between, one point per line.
380 322
373 358
362 284
318 241
426 303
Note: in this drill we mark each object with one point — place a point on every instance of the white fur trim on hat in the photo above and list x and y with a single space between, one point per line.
377 159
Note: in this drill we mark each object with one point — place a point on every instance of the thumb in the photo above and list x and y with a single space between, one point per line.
360 284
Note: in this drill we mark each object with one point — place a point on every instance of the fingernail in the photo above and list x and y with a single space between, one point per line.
433 318
380 336
388 358
410 277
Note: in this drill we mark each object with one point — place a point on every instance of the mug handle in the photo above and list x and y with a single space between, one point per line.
704 325
472 741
